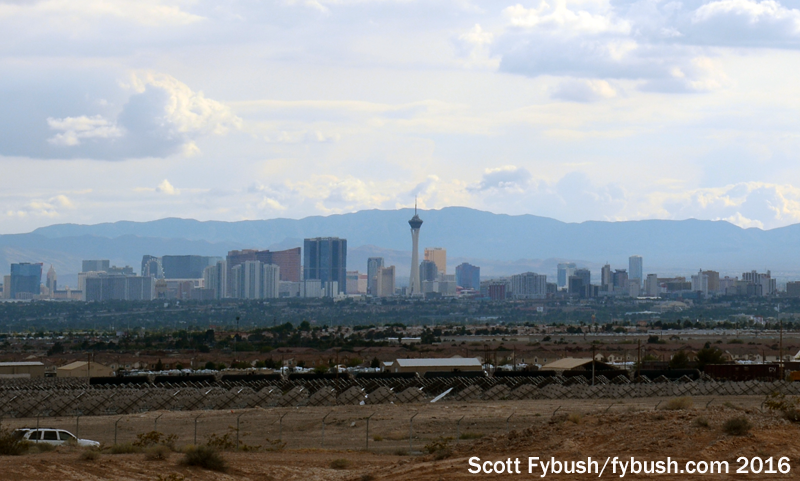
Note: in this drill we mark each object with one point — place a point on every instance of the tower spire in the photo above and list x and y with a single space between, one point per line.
415 205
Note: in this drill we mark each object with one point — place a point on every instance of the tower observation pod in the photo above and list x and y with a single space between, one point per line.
414 288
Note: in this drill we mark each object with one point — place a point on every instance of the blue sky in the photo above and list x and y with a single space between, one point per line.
573 109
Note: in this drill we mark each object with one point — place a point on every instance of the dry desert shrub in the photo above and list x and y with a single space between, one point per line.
205 457
340 463
158 452
701 422
738 426
10 444
575 418
90 455
679 403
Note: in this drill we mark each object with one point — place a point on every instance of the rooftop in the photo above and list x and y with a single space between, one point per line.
444 362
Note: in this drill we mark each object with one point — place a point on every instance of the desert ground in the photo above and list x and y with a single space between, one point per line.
494 431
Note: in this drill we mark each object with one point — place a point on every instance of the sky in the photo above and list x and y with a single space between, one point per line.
242 109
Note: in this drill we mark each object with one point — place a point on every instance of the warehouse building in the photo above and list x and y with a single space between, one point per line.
449 364
21 370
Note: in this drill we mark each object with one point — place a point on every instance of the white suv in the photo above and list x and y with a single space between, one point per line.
52 436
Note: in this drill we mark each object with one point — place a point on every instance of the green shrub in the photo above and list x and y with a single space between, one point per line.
125 448
205 457
44 447
470 436
10 444
90 455
340 463
377 438
702 422
575 418
788 406
159 452
679 403
738 426
154 438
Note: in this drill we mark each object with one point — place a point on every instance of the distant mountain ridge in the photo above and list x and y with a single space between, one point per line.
507 240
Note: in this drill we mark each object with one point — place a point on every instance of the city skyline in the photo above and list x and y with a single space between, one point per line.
146 110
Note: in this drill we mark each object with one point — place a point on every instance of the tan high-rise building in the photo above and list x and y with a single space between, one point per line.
438 256
385 281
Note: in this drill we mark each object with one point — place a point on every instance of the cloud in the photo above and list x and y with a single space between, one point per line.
582 90
74 129
161 117
166 188
49 208
473 47
508 177
558 17
669 46
149 13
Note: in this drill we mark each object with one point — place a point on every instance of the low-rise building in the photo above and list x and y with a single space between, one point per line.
448 364
21 369
82 369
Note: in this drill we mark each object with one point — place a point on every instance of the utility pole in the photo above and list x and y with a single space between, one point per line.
593 348
639 358
781 371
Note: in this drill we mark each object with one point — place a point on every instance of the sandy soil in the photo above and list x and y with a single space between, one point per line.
577 430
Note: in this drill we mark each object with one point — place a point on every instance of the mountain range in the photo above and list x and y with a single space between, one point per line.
501 244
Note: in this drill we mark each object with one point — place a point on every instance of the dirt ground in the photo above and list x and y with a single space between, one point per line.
565 429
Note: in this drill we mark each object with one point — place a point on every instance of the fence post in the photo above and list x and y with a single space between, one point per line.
709 402
368 417
237 429
78 425
458 429
323 427
195 428
155 422
508 418
659 404
411 432
115 430
280 428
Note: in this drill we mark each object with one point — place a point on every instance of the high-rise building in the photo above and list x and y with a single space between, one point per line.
700 283
635 270
186 267
529 285
325 258
6 287
565 269
288 260
255 280
103 287
125 271
585 275
713 281
414 286
373 264
428 271
95 265
385 285
651 286
762 284
52 282
25 280
620 278
606 279
216 278
151 267
356 283
468 276
438 256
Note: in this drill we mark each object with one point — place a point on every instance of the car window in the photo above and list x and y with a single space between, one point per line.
18 434
50 436
35 435
65 436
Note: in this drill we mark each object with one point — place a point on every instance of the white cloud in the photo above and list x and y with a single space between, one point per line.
166 188
74 129
581 90
564 21
505 178
150 13
764 11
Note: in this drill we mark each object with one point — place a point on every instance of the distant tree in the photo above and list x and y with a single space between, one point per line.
375 363
709 355
679 361
159 365
211 366
56 348
304 326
